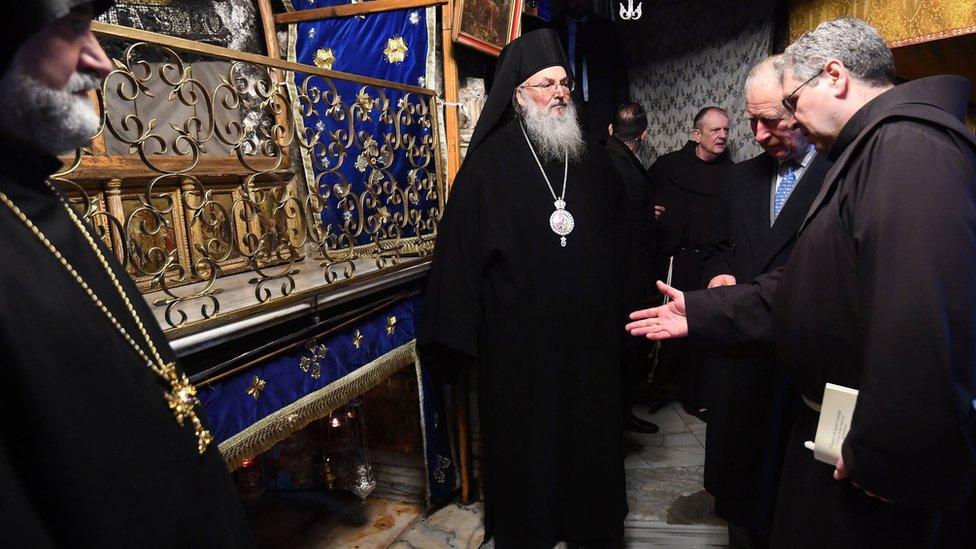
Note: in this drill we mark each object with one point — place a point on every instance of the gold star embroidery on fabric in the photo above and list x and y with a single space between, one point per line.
396 50
324 58
257 385
357 340
312 364
391 325
383 216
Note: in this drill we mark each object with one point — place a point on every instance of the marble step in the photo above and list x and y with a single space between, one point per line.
647 534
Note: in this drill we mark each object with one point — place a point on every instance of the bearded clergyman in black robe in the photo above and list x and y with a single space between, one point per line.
92 449
526 285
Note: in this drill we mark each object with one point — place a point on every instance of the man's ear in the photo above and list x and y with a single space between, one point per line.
838 77
518 97
696 135
643 136
610 129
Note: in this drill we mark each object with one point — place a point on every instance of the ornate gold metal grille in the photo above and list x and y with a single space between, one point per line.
190 180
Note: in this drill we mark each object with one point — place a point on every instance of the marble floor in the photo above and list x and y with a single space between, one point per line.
668 507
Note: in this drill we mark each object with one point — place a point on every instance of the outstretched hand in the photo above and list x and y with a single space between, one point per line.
669 321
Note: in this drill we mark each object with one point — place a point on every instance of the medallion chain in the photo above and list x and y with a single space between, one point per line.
182 396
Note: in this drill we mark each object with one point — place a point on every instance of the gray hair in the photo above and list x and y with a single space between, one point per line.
858 45
699 121
769 69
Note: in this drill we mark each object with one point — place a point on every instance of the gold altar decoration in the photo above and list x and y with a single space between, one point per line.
190 179
396 50
324 58
901 22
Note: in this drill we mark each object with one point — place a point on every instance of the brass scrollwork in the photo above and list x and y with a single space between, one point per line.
190 177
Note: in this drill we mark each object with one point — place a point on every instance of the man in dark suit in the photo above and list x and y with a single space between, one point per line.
597 62
763 202
627 133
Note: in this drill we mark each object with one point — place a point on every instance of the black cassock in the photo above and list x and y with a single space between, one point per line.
90 454
542 324
688 188
879 295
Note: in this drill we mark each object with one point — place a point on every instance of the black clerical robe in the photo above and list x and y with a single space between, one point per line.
542 324
688 188
90 453
878 295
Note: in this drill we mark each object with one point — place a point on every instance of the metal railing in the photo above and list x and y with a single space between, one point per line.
219 172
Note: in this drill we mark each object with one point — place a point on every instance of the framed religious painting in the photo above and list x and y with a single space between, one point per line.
487 25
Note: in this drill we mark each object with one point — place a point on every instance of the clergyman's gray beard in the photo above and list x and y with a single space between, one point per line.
554 136
54 121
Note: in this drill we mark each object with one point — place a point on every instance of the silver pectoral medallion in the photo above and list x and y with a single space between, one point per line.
561 221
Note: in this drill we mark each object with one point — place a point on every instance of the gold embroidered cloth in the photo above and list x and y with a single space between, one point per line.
901 22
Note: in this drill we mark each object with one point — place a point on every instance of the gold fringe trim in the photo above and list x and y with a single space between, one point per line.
266 432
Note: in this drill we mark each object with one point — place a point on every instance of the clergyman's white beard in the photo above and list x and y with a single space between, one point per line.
553 136
54 121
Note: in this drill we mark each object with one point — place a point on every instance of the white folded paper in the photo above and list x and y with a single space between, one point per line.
836 412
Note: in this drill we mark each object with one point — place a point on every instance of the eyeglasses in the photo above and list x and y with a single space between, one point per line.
789 102
550 86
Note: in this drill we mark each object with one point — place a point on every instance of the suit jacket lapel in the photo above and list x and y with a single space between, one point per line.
788 222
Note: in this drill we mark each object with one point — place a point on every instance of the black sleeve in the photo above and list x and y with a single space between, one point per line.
452 300
636 228
671 224
717 256
913 221
730 316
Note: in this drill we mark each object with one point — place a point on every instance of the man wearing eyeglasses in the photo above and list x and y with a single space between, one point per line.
527 286
878 295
